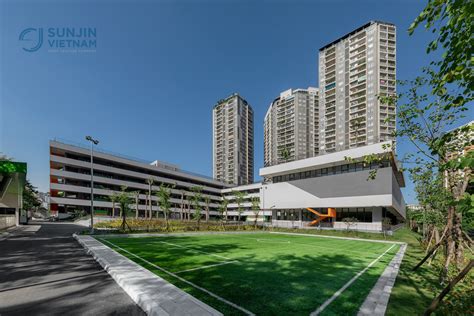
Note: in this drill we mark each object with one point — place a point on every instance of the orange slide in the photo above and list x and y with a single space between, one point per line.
331 214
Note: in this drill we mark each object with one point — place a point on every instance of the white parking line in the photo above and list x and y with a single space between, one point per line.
207 253
208 266
342 289
183 280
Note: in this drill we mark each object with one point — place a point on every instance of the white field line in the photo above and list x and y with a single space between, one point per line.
204 252
345 286
339 237
183 280
304 244
208 266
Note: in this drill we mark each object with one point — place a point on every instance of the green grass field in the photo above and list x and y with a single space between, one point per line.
263 273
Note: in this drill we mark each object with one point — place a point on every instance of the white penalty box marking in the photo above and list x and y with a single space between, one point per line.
183 280
345 286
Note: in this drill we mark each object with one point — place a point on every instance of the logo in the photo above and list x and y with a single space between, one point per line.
34 36
59 39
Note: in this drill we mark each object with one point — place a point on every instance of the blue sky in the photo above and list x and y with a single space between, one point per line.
160 66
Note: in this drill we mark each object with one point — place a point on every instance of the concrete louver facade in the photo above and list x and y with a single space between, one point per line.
291 125
232 128
70 181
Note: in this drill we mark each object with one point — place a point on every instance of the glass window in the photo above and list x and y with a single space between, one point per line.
324 172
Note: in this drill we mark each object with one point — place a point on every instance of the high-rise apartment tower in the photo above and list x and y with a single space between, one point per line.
291 127
354 71
232 125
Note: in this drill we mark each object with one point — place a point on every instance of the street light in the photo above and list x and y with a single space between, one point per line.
93 142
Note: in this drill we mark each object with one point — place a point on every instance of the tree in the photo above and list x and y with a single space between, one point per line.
451 20
150 182
424 120
124 200
386 225
164 197
223 209
182 206
207 202
136 195
255 208
349 221
30 197
113 198
239 199
196 201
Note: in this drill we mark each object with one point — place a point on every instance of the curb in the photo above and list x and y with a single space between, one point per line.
153 294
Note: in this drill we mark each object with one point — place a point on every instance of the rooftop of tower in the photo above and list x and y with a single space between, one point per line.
353 32
233 95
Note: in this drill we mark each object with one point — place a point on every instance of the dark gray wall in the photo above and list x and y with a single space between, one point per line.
349 184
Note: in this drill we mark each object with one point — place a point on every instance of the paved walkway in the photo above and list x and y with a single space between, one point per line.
155 295
44 271
376 302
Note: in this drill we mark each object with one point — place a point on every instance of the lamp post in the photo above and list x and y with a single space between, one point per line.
93 142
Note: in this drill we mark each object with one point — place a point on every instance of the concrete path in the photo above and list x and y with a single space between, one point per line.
153 294
376 302
44 271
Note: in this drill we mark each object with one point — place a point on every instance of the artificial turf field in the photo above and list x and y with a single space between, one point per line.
264 273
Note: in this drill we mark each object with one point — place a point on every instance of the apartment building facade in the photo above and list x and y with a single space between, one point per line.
353 71
233 141
70 183
291 127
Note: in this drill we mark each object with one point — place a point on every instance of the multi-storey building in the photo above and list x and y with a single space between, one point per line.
323 190
353 71
232 125
300 193
70 182
291 127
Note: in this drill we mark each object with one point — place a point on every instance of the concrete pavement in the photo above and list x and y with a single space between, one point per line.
44 271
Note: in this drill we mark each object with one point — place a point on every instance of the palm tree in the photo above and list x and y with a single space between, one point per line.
124 199
149 181
239 199
181 215
164 196
136 195
207 201
113 198
196 200
223 210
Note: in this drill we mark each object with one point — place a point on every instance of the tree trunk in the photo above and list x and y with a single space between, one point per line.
428 255
149 200
459 240
113 209
136 206
434 304
182 206
207 213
